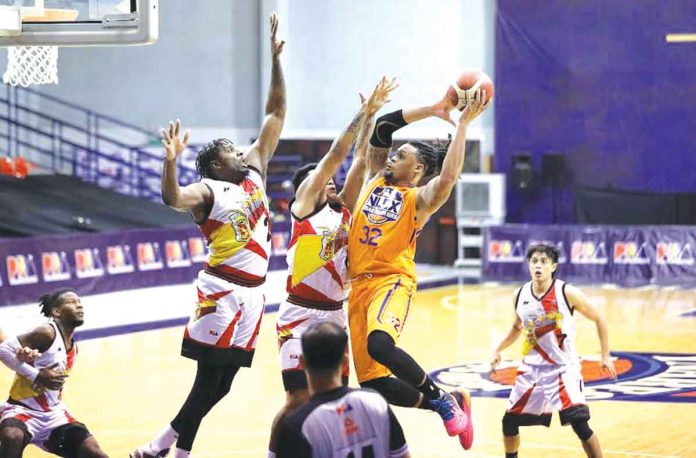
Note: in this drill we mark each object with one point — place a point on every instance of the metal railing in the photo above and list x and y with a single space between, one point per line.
78 141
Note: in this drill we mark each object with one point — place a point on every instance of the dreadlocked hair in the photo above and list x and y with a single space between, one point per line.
209 153
432 155
50 300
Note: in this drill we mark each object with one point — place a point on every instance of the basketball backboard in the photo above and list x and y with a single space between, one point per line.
82 22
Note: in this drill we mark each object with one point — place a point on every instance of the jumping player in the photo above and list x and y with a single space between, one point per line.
390 214
317 249
229 204
34 412
549 377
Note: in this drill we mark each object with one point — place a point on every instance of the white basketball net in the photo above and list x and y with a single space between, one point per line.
27 65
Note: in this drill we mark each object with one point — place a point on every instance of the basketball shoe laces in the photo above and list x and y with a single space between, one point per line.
444 406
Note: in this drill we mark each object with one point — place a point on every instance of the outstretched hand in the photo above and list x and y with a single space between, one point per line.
276 46
475 105
379 96
173 144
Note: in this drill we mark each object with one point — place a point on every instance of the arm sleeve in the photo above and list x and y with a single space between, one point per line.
385 126
397 441
292 443
8 356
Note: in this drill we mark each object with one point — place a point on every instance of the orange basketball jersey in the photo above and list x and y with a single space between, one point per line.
383 232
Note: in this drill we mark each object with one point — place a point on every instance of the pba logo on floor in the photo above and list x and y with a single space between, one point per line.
149 256
197 249
506 251
631 252
88 263
674 253
588 252
654 377
21 269
55 266
176 253
119 259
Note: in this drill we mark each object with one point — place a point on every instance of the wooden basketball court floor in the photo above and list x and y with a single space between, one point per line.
127 387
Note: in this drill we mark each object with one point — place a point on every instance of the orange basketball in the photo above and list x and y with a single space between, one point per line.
470 80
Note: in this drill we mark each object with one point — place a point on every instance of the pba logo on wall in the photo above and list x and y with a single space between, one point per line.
630 252
119 259
197 249
177 253
588 252
279 243
55 266
674 253
655 377
21 269
560 246
88 263
506 251
149 256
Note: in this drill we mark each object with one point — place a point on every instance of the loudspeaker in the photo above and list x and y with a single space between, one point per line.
552 169
521 173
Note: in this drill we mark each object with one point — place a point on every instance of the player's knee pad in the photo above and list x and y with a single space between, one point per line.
511 425
582 430
66 440
380 347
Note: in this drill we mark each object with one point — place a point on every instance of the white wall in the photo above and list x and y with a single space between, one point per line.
336 48
210 66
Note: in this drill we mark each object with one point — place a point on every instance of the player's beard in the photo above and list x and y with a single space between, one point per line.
388 175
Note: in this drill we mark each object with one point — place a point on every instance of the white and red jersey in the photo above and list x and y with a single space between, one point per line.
238 231
57 358
548 326
317 258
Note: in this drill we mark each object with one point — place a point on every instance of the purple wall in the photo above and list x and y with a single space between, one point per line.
597 82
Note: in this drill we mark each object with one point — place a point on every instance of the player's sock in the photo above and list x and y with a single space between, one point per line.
165 439
511 455
271 454
429 389
181 453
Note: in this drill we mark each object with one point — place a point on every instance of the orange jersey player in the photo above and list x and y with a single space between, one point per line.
389 215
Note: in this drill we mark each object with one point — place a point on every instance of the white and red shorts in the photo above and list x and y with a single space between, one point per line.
38 424
539 390
224 328
293 320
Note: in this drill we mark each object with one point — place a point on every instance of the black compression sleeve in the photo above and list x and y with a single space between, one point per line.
385 126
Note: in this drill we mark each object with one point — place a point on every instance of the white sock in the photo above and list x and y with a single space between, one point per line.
165 439
179 453
271 454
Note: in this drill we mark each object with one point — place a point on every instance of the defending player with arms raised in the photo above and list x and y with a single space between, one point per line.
317 249
549 377
229 205
34 412
390 214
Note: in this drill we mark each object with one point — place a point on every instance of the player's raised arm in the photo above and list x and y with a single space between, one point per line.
434 194
582 304
189 198
356 173
386 125
261 151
